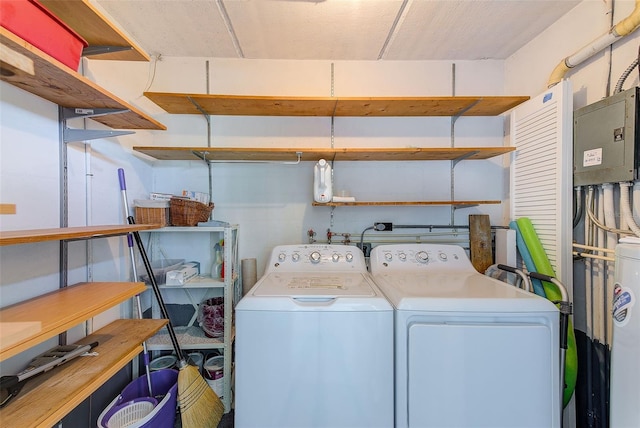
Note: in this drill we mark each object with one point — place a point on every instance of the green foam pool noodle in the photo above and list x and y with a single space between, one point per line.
543 266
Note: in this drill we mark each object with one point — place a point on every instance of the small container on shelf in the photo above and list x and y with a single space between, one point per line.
211 316
185 212
152 211
160 269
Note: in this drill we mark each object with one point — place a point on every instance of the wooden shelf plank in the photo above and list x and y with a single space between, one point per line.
248 105
59 84
315 154
95 28
69 233
7 208
36 320
47 398
243 105
426 106
402 203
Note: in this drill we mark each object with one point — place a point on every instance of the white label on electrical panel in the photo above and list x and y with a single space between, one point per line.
592 157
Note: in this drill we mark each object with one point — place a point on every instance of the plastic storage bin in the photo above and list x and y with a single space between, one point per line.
34 23
160 269
164 383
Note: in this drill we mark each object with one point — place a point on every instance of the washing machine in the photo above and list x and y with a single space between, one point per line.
625 349
470 351
314 343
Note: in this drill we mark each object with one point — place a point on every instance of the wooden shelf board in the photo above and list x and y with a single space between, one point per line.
7 208
315 154
86 20
60 84
69 233
401 203
246 105
47 398
36 320
191 337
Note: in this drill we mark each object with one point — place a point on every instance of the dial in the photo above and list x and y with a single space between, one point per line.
315 257
295 257
422 256
388 256
282 257
442 256
402 256
349 257
335 257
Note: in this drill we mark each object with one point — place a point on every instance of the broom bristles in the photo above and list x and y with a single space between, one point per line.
200 407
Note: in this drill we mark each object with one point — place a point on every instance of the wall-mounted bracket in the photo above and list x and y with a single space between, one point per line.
461 206
463 157
98 50
74 135
72 113
71 135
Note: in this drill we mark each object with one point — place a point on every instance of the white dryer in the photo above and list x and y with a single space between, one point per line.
314 343
471 351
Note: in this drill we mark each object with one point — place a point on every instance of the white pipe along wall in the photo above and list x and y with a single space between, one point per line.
620 30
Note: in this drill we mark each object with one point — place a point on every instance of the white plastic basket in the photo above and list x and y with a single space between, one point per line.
132 413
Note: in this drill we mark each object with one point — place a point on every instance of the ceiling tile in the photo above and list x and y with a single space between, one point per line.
174 27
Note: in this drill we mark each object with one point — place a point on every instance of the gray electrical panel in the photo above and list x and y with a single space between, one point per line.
606 140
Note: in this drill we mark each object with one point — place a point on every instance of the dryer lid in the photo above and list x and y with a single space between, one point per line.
467 292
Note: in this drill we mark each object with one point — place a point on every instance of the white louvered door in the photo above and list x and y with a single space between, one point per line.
541 173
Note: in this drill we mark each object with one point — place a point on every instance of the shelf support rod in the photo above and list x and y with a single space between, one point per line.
203 156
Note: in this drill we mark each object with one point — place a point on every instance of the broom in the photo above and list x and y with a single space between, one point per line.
200 407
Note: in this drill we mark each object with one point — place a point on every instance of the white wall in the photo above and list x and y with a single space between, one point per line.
272 202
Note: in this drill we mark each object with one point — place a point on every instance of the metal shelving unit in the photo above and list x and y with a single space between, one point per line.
196 244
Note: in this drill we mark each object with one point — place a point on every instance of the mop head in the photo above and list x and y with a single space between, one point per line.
200 407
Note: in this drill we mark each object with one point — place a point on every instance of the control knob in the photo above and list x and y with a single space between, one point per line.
402 256
349 257
335 257
295 257
314 257
422 256
282 257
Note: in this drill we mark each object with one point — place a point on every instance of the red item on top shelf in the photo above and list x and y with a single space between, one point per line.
34 23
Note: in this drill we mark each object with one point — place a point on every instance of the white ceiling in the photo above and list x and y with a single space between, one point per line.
336 29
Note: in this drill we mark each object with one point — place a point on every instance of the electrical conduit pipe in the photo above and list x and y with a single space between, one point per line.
620 30
636 202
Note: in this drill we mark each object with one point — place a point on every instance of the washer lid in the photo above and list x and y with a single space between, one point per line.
467 292
296 284
309 292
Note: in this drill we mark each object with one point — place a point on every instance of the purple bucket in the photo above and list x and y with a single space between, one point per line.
163 382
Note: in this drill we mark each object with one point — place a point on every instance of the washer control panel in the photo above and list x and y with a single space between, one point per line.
317 257
411 257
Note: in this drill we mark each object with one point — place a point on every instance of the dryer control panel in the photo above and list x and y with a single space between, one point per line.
309 258
419 257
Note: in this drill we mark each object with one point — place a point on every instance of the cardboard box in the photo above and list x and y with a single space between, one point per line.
187 272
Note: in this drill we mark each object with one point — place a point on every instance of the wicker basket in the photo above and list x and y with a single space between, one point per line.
184 212
152 212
